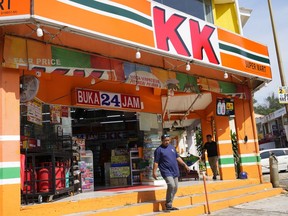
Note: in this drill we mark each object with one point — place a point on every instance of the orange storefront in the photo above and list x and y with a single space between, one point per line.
124 56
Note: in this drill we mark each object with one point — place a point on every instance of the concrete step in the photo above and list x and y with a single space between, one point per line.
148 201
194 204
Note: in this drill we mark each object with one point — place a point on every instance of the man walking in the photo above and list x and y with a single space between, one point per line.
211 147
166 159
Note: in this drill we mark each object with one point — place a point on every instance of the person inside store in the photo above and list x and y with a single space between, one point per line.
211 147
166 159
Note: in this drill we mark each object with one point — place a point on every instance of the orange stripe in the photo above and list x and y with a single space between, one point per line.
10 199
10 151
238 63
242 42
252 170
143 6
95 22
225 149
246 148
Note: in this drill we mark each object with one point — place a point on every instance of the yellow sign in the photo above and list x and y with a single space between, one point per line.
283 94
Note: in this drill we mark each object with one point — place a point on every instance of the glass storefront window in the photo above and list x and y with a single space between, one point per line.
201 9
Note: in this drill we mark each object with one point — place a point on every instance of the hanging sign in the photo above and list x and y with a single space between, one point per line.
107 99
55 114
225 107
34 112
283 94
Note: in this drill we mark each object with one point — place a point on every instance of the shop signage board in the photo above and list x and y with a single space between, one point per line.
283 94
225 107
151 25
14 10
57 60
106 99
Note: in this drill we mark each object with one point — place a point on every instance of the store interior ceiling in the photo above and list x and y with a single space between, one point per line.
97 117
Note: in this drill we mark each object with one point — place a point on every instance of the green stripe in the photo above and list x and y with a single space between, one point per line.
71 58
250 159
244 53
227 87
9 172
115 10
223 161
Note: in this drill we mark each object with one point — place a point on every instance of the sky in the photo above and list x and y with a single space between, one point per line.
258 28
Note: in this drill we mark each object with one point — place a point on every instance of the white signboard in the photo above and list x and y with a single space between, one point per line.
34 112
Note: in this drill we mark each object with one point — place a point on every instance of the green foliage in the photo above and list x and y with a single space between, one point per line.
199 141
271 104
235 152
199 146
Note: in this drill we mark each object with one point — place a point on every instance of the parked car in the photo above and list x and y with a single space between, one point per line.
281 155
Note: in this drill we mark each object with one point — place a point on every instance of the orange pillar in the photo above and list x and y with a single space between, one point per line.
225 150
246 126
223 139
9 142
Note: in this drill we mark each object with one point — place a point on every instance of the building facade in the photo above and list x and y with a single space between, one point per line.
162 61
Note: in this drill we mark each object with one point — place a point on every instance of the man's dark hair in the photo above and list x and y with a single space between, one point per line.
208 135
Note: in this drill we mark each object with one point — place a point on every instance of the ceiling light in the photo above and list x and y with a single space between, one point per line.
93 81
138 54
188 66
39 31
175 123
137 87
225 75
111 122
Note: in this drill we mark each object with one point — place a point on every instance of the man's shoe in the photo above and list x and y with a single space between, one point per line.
171 208
214 177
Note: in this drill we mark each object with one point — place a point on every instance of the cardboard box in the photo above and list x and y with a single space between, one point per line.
118 181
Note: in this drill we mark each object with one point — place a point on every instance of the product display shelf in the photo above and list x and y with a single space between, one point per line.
135 167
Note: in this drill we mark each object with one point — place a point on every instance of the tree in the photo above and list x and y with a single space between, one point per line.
271 104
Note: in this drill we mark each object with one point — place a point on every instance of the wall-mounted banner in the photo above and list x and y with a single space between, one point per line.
225 107
106 99
283 94
14 10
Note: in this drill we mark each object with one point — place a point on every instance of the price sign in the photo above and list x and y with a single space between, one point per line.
283 94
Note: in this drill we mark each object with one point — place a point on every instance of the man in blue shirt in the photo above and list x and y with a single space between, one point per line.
166 159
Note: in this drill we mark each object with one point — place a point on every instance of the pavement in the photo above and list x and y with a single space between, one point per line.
273 206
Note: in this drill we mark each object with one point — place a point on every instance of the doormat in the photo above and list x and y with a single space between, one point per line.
118 189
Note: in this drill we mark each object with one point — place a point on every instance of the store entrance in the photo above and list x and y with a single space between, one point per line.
107 133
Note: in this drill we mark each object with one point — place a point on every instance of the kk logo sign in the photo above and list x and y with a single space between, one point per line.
179 34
